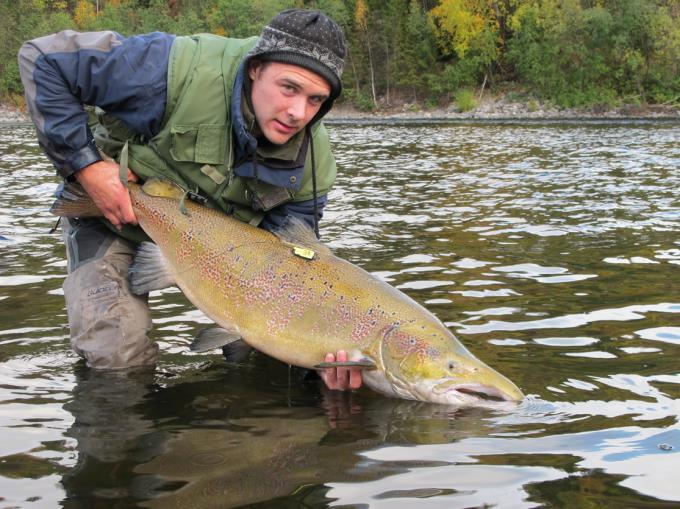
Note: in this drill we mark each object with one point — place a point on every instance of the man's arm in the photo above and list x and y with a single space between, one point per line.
127 77
62 72
304 210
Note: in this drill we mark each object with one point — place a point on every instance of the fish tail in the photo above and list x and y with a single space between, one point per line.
73 201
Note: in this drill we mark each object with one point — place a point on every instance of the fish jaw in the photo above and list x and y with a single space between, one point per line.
460 395
443 392
478 385
486 388
473 393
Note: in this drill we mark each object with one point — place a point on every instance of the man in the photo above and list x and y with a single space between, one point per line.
234 121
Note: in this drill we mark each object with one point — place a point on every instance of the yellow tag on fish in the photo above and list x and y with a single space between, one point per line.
303 252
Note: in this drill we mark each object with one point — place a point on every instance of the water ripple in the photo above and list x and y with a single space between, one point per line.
550 249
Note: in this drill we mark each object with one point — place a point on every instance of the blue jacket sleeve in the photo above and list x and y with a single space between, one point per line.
304 210
127 77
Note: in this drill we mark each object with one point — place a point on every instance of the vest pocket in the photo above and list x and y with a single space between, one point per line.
210 144
183 139
199 144
265 196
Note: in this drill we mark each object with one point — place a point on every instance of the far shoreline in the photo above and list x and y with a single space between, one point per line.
489 111
502 111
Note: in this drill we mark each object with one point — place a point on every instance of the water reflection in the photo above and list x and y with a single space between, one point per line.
225 436
295 445
112 433
548 249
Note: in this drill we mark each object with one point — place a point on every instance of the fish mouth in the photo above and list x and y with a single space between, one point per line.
483 392
472 393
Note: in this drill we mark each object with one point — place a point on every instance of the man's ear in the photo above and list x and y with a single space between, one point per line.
254 67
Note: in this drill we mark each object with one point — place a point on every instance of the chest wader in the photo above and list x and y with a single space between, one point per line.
108 323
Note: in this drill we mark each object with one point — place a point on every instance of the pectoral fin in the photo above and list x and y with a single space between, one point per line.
233 347
148 270
212 338
361 364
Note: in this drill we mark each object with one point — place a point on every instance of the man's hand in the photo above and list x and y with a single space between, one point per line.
340 379
101 181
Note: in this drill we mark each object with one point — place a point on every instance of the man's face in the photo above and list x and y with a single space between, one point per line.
285 98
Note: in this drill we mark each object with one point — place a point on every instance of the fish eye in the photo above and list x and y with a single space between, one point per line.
451 365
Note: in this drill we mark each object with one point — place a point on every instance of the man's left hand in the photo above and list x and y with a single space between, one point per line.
340 379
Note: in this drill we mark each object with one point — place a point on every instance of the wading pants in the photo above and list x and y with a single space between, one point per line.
109 325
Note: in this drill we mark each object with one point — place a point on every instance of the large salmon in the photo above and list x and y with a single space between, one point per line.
288 296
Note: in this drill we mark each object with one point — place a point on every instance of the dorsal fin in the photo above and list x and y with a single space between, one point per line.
297 233
162 188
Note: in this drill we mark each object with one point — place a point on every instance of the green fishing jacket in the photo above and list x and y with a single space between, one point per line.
195 146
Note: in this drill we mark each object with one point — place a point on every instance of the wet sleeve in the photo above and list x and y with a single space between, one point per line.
127 77
304 210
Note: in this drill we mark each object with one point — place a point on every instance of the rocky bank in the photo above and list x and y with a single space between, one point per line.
489 109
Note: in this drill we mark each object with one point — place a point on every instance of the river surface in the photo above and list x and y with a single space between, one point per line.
550 250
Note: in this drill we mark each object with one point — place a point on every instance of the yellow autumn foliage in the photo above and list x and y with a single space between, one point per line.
460 22
84 14
361 14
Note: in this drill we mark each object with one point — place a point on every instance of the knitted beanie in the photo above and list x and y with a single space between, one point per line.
309 39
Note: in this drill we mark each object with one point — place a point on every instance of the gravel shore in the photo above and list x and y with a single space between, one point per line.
500 108
11 115
493 109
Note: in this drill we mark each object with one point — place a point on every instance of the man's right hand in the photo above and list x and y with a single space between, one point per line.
102 182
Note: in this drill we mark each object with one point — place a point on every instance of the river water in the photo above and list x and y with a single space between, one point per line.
550 249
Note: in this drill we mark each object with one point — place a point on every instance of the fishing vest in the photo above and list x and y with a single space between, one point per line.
196 147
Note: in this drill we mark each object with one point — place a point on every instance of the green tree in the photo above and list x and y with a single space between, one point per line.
243 18
473 33
19 21
557 51
581 56
417 52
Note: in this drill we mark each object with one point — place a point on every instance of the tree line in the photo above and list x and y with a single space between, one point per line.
570 53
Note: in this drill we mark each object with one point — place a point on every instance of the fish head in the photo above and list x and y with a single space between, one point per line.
425 362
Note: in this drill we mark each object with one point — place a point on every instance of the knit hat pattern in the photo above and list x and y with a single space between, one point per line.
309 39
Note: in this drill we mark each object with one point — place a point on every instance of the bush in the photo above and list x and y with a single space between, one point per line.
431 103
364 102
465 100
576 56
